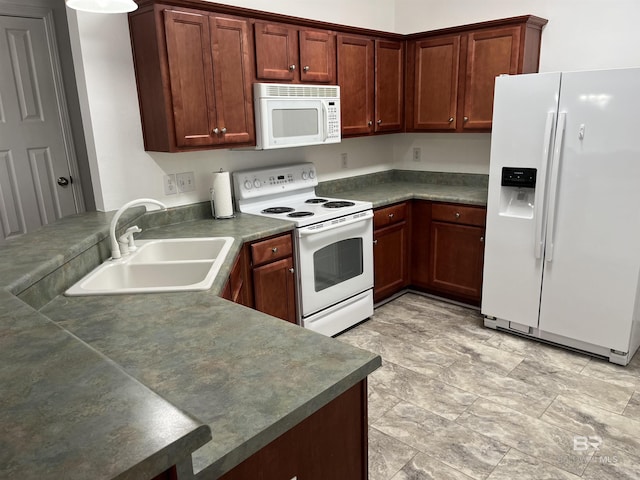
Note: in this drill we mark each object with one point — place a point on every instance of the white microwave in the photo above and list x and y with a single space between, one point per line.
296 115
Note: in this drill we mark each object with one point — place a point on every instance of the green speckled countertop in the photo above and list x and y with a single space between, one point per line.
125 386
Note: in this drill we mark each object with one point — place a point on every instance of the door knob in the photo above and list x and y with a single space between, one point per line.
306 68
450 119
379 122
63 181
292 68
466 119
369 123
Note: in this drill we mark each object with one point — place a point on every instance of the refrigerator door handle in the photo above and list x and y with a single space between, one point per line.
540 194
553 188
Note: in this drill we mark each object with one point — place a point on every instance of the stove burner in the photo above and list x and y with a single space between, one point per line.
316 200
300 214
277 210
338 204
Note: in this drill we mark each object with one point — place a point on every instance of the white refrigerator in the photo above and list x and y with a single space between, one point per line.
562 252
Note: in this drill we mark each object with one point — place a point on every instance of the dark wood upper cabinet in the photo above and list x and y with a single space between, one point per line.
286 53
371 79
451 73
389 92
436 63
357 87
194 75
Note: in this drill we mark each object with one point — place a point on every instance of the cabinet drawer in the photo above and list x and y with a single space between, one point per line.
271 250
444 212
388 215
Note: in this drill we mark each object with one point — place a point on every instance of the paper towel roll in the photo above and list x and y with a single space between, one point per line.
222 204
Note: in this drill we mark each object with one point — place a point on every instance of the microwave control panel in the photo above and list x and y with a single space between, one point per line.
333 118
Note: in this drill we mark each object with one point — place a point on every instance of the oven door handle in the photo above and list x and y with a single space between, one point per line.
313 230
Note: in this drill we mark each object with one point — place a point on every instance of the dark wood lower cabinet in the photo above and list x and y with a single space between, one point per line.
274 289
457 253
329 444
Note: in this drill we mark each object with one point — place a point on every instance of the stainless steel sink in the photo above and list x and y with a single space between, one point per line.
168 265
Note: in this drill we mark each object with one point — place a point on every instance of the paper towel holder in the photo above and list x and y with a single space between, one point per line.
213 209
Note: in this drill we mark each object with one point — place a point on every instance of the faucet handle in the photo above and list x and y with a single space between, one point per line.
126 240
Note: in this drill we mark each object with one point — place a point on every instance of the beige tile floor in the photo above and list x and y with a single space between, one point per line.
455 400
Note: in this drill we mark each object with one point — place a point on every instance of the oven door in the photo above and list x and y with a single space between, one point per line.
335 261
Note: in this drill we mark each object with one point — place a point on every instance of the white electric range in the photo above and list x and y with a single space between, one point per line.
333 243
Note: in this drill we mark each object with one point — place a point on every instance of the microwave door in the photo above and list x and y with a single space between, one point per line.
293 123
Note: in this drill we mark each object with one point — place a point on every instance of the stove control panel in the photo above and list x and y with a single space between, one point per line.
259 182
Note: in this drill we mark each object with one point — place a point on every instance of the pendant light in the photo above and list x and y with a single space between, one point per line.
103 6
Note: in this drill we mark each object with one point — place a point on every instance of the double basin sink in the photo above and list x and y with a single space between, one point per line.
160 265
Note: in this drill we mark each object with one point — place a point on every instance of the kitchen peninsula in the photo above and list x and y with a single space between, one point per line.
127 386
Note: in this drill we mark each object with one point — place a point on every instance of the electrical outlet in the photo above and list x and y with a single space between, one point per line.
169 183
186 182
345 160
417 154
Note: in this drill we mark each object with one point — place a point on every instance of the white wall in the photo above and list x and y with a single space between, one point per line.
120 168
580 35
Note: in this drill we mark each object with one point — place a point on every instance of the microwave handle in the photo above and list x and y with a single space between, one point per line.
325 115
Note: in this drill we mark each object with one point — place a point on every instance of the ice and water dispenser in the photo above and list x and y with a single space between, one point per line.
517 195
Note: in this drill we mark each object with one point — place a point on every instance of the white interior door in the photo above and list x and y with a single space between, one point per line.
35 181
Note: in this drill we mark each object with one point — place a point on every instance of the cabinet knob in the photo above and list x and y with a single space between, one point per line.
379 122
292 68
391 215
216 131
274 250
306 68
375 242
450 119
481 239
224 130
369 123
291 270
466 119
457 214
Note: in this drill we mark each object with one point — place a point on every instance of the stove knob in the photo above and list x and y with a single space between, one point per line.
312 174
248 184
256 183
304 175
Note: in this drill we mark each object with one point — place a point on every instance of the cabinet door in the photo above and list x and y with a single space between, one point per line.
420 243
390 258
276 52
355 77
389 90
191 76
317 56
489 53
435 78
232 79
457 252
274 289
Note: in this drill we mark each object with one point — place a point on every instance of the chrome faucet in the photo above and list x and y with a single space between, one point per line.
115 247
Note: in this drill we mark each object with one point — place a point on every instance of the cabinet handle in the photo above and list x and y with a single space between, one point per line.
369 123
216 131
292 68
457 214
306 68
391 215
274 249
291 270
466 119
451 119
379 122
224 130
375 242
